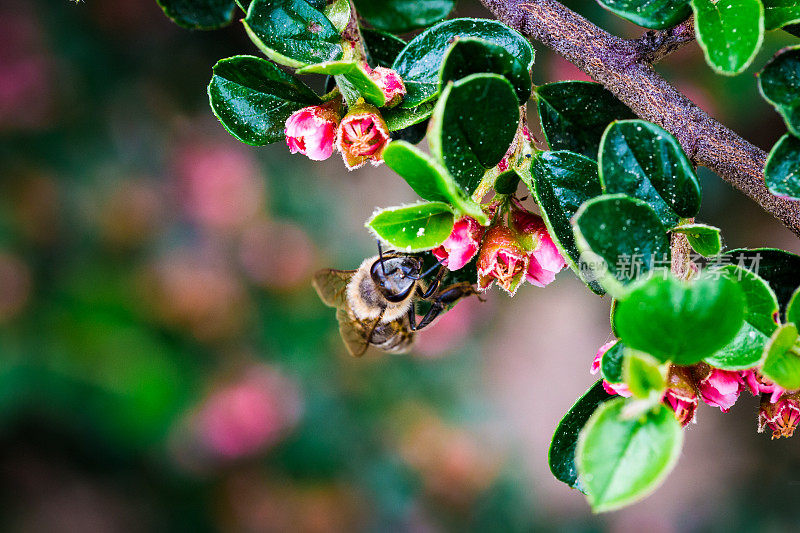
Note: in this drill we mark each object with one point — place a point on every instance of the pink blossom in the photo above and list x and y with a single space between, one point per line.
362 136
390 83
721 388
544 258
758 384
501 259
681 394
611 388
462 244
311 131
781 417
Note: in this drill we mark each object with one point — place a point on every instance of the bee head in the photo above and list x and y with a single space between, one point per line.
395 277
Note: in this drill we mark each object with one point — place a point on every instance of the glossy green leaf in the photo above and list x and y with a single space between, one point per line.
574 115
704 239
507 182
413 228
655 14
730 32
419 63
622 237
781 269
382 48
398 118
779 83
779 13
359 84
401 16
199 14
793 309
473 126
561 455
643 160
621 460
681 322
252 98
561 182
429 179
611 363
643 375
761 309
782 172
292 32
470 55
782 360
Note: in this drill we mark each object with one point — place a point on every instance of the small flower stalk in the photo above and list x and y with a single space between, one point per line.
681 395
501 259
390 83
362 136
462 244
311 131
781 417
544 258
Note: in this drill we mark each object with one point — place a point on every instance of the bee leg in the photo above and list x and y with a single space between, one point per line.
433 287
447 296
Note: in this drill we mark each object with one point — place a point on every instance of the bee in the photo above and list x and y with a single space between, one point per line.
375 304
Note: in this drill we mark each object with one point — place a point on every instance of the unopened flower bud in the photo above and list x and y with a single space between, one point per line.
462 244
611 388
544 259
781 416
501 259
758 384
362 136
390 83
311 131
681 394
719 388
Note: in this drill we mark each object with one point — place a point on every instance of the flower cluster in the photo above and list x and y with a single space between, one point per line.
687 385
507 254
360 136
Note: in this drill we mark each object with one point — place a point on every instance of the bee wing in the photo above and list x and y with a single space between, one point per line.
356 335
331 286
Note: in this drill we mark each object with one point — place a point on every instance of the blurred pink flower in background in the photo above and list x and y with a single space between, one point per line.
721 388
311 131
220 186
131 213
449 332
462 244
276 254
15 286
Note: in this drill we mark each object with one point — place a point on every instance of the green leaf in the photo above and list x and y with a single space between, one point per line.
781 269
561 182
644 161
645 378
382 48
782 172
419 63
654 14
413 228
704 239
473 126
625 234
677 321
252 98
621 460
398 118
470 55
779 13
292 32
429 179
574 115
401 16
793 309
730 32
611 363
779 83
761 308
199 14
358 81
507 182
561 455
782 361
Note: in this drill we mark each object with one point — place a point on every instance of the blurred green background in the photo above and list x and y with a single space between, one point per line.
165 365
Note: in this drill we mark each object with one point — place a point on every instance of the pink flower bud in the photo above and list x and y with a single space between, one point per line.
781 416
544 259
758 384
462 244
611 388
312 131
681 395
501 259
390 83
719 388
362 136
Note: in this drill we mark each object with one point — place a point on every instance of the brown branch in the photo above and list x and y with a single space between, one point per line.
653 46
625 68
